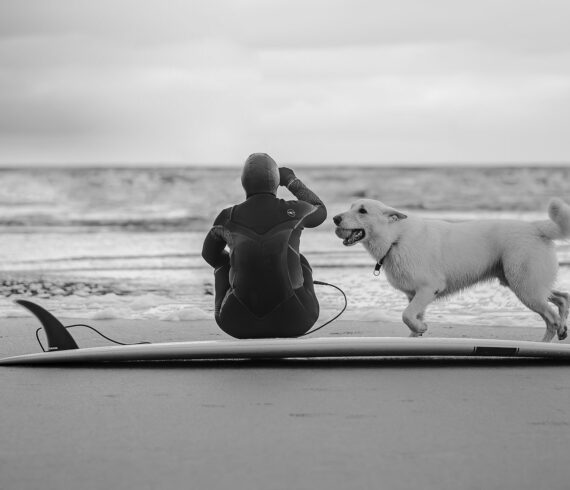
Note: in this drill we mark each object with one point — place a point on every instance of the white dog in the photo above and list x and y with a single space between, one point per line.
429 259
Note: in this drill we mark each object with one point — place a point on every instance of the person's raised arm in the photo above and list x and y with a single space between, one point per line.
303 193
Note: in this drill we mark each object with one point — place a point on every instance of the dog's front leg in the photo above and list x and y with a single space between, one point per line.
413 315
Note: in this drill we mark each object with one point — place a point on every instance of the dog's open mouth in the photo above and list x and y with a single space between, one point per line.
350 237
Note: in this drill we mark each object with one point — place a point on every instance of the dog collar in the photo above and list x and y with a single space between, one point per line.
380 263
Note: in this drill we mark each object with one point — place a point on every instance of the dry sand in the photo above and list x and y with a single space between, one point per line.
387 424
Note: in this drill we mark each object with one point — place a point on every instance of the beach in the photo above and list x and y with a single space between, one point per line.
120 249
394 424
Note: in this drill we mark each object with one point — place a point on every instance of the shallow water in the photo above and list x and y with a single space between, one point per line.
111 243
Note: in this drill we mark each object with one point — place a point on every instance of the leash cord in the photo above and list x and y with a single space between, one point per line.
90 327
320 283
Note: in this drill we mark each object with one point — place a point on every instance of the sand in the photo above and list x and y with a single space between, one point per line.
386 424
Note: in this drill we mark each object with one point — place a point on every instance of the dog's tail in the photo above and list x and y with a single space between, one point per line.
558 226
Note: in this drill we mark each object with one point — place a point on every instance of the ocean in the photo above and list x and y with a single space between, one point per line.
103 243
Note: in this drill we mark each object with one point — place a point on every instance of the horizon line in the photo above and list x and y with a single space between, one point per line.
220 165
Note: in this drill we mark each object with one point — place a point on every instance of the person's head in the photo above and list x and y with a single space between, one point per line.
260 174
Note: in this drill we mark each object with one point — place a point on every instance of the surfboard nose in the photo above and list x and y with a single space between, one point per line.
58 337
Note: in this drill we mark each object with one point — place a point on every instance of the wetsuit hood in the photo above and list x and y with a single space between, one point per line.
260 174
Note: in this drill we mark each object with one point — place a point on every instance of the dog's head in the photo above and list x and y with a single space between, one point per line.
367 220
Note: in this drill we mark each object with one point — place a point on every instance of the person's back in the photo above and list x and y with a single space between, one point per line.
264 285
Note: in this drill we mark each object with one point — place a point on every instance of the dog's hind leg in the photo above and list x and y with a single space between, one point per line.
414 313
562 301
550 317
530 277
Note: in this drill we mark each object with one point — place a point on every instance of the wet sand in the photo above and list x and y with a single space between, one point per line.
390 424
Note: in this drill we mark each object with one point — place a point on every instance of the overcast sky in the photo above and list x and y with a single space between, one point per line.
308 81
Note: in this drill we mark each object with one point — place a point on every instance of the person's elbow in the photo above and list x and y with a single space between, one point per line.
206 255
209 252
322 214
317 217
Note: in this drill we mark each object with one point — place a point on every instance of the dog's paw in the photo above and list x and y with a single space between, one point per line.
563 333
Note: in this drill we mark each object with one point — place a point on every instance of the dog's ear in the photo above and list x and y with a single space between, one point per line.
394 215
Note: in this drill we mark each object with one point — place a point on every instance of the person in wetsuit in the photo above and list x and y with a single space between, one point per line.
263 285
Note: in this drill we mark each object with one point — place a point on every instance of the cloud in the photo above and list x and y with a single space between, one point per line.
335 81
527 24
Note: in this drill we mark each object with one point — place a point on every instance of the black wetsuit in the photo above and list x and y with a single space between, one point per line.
264 286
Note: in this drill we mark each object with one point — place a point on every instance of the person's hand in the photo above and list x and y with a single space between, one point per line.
286 176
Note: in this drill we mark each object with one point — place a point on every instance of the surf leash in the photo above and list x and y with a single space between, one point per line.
320 283
90 327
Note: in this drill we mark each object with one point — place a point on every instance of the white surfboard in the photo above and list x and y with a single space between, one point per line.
330 347
62 348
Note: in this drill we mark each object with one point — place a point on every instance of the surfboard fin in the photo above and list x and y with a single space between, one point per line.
58 337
